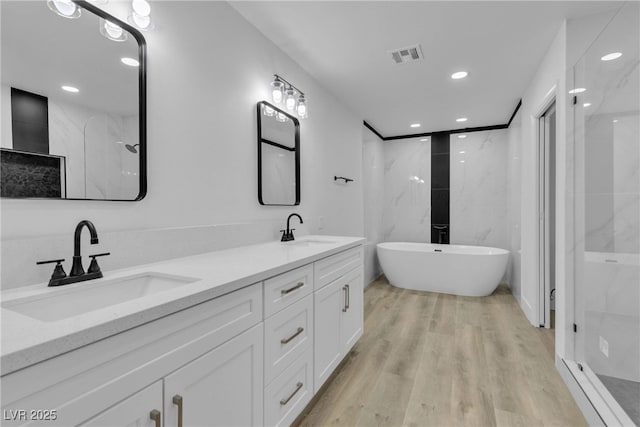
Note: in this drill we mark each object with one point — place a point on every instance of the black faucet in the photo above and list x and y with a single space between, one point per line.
287 235
59 277
76 268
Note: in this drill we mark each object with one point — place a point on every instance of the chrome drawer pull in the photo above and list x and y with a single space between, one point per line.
285 401
286 340
296 287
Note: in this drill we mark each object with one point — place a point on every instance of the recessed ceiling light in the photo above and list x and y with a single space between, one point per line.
70 89
462 136
459 75
415 125
611 56
577 90
424 139
461 119
586 104
130 62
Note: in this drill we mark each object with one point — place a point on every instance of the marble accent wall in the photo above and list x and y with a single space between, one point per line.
407 190
373 197
478 185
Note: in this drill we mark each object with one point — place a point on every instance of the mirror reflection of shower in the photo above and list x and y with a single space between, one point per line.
132 148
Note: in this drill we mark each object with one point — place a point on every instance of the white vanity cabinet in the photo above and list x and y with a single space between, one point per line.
209 354
253 356
338 310
220 388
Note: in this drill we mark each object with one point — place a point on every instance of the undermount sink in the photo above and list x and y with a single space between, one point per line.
311 242
85 297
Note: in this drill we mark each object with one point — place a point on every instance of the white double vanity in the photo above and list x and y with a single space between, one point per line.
244 336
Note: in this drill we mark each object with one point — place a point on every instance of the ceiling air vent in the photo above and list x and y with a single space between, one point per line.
407 54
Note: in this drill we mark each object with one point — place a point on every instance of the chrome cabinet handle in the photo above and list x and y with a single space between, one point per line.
177 400
296 287
286 340
348 297
344 307
285 401
155 416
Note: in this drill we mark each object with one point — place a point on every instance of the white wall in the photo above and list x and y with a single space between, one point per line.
514 197
549 79
373 187
207 68
478 189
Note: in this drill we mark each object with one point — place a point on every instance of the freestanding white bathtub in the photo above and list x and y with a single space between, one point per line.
450 269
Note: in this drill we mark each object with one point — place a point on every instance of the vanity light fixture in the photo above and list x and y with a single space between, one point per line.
461 119
294 99
130 62
112 31
459 75
70 89
611 56
141 14
301 109
290 100
64 8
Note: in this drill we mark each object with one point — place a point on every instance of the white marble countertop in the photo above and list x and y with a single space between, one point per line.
26 340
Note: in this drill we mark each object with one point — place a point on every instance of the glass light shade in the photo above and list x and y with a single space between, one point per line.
268 111
281 117
277 89
302 107
290 100
141 22
64 8
141 7
112 31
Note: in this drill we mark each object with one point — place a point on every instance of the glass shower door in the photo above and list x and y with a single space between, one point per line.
607 213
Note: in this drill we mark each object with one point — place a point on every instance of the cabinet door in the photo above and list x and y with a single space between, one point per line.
328 305
353 318
134 411
223 387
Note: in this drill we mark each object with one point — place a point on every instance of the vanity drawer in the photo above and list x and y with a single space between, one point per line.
287 335
289 393
329 269
287 288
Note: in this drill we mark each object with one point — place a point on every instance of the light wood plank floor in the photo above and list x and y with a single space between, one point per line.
429 359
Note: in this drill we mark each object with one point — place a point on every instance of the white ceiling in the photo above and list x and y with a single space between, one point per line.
344 44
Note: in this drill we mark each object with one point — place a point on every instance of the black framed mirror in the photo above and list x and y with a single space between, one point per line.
74 103
278 156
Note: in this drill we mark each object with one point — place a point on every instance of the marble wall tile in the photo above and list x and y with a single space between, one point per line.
479 206
407 191
373 198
